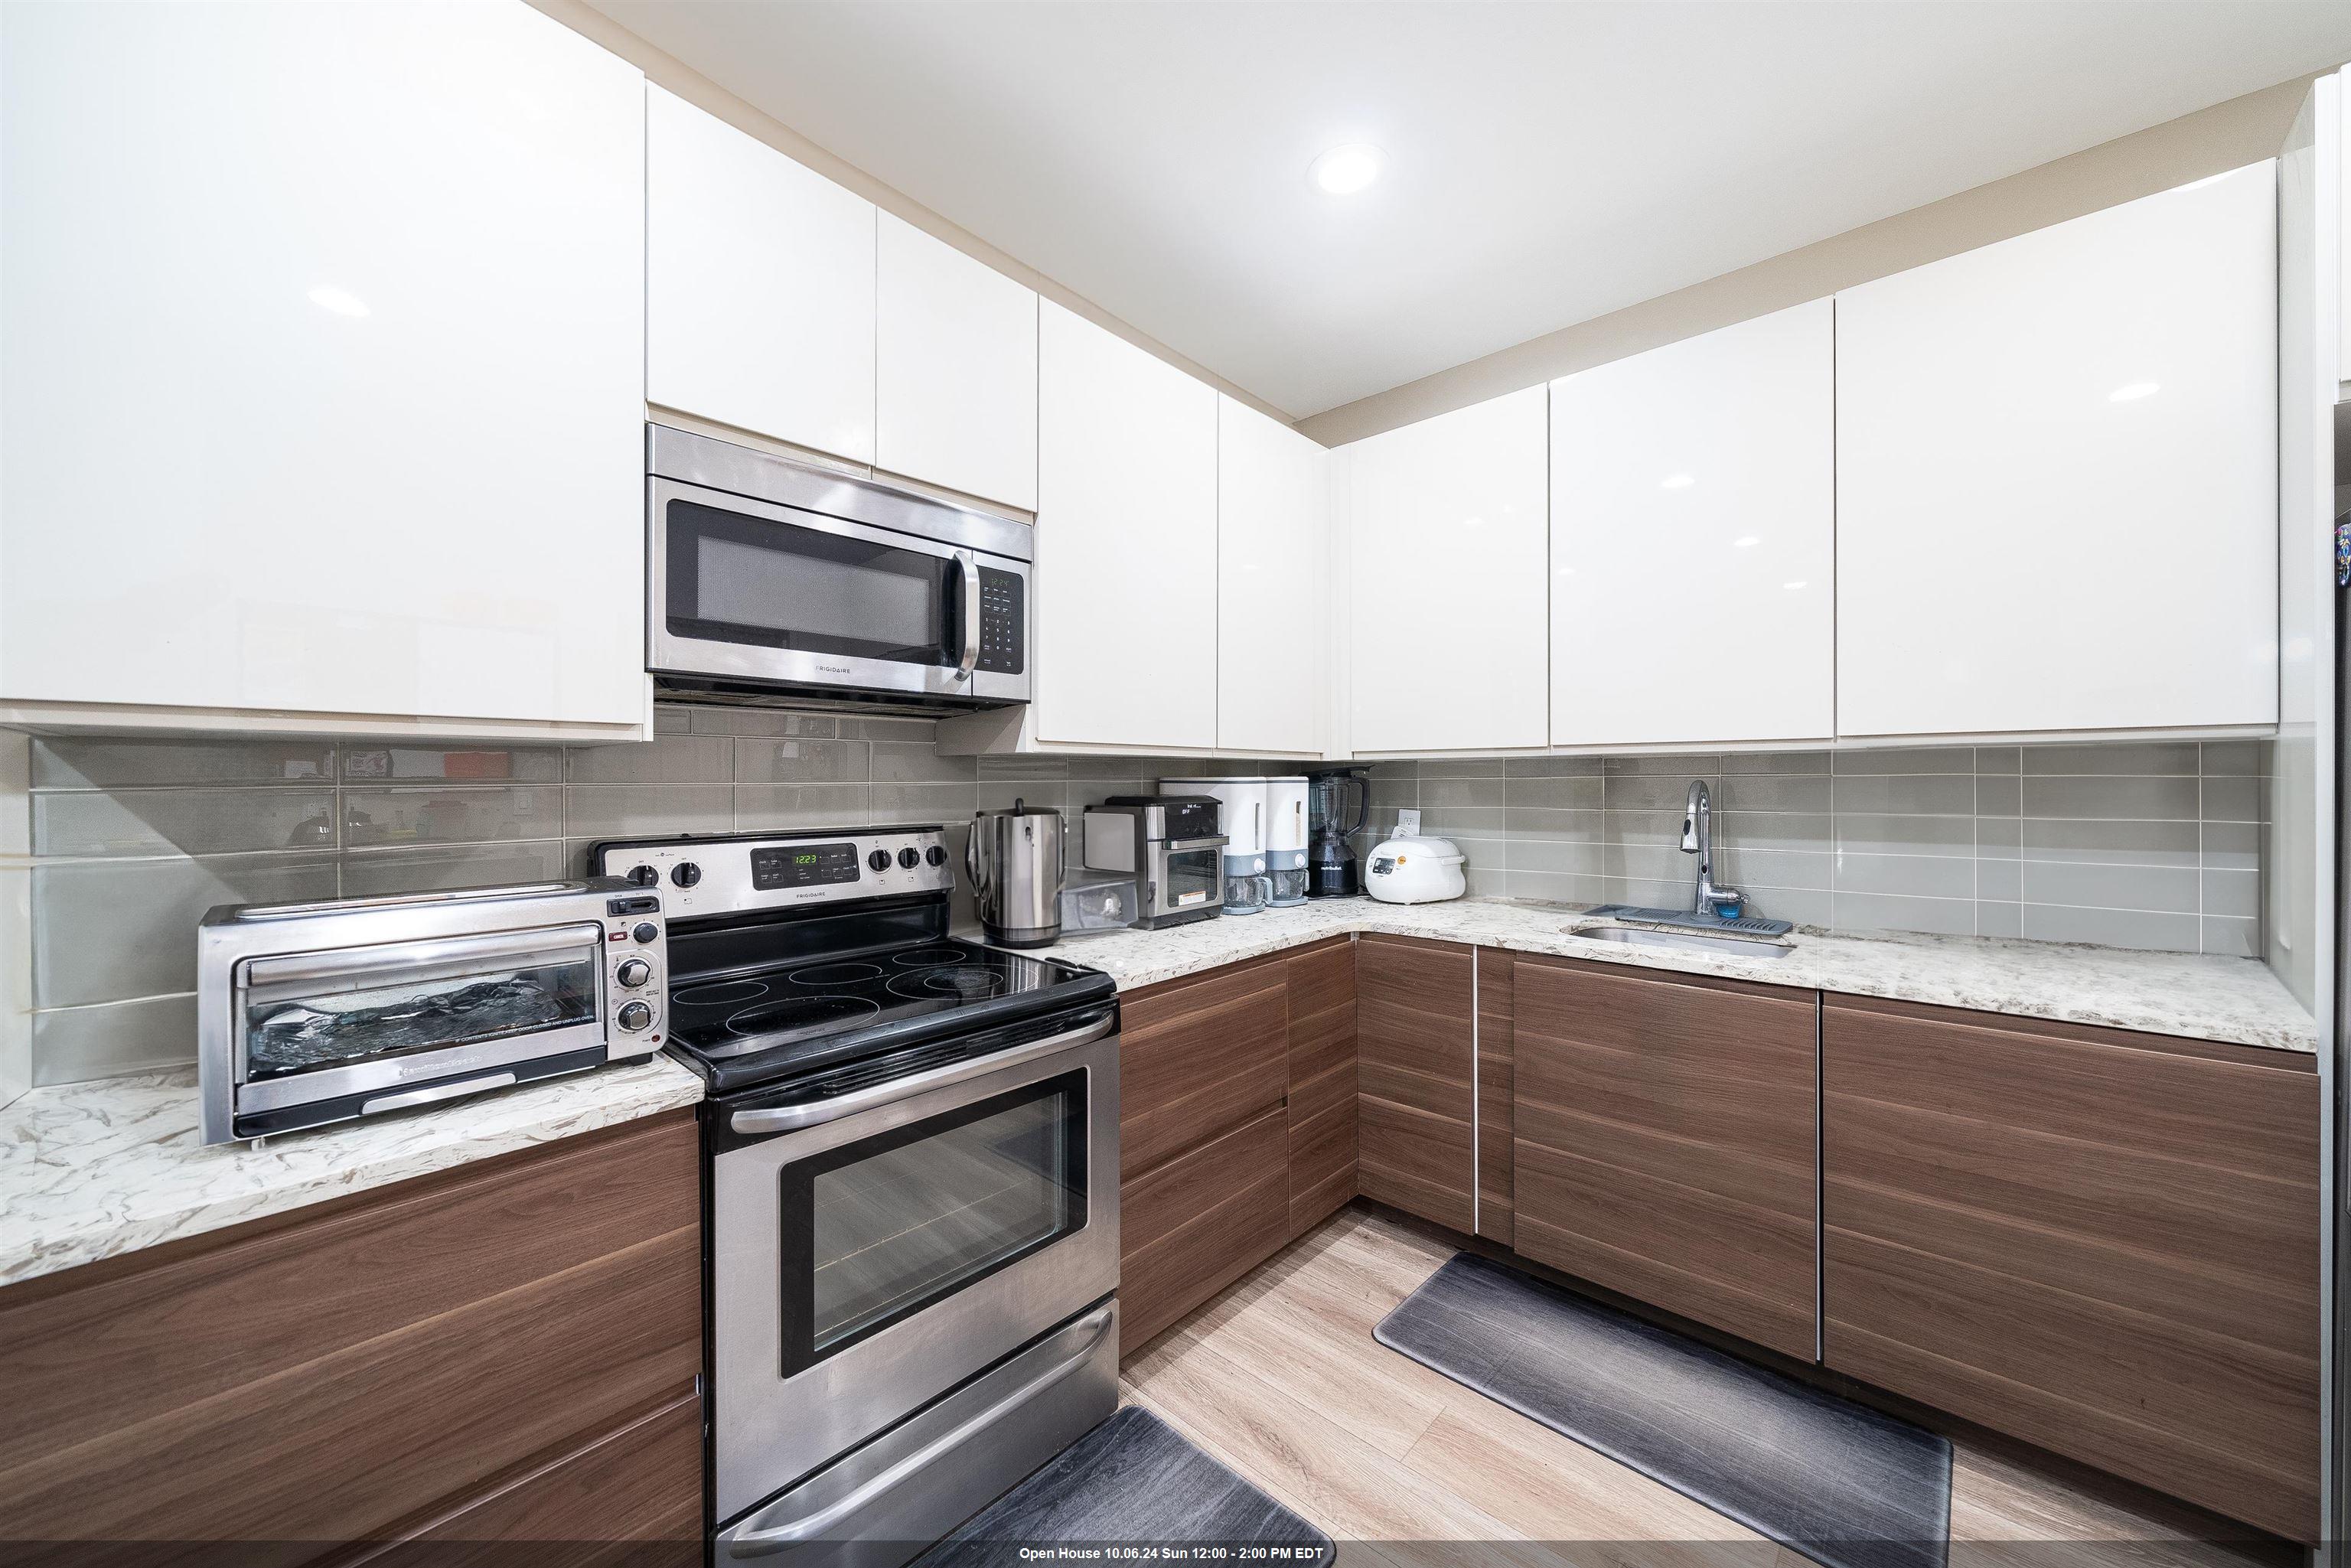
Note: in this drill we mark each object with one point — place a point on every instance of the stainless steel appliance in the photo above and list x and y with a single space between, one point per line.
1338 804
1015 861
311 1013
770 580
1172 844
911 1145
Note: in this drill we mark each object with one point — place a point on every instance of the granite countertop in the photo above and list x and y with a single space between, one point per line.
91 1170
2232 1001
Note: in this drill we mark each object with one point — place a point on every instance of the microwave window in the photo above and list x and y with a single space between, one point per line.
760 581
744 585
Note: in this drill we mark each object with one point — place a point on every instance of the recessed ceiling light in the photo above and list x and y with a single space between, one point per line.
1344 171
341 301
1792 587
2134 392
1745 541
1676 481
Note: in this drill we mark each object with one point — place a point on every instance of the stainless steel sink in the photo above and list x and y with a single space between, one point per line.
1692 941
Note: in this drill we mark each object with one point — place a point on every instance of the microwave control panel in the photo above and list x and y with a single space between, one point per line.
1003 622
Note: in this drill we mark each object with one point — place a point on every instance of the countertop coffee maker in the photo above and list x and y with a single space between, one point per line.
1338 804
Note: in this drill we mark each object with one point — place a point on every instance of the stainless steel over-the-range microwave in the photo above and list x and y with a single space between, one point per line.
772 580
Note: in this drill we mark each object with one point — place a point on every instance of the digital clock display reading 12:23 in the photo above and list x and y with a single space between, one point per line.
802 865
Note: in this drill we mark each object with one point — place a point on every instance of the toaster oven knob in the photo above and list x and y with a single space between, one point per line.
646 931
685 873
633 1016
644 876
879 860
634 972
910 857
936 855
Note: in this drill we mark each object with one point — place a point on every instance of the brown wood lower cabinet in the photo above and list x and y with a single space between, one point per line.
1496 971
1664 1142
1236 1124
1416 1058
2102 1242
338 1374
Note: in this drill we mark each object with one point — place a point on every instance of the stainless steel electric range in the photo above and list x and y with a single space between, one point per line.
911 1188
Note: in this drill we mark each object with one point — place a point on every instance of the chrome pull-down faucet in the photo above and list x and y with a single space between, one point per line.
1697 838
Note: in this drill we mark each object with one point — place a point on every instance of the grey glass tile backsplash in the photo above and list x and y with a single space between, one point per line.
2154 844
2157 845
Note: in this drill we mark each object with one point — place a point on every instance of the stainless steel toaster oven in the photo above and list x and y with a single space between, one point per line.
311 1013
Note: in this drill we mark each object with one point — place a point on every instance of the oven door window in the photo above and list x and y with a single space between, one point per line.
879 1229
1192 877
737 579
307 1012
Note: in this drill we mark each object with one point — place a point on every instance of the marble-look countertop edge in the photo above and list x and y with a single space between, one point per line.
94 1170
2206 998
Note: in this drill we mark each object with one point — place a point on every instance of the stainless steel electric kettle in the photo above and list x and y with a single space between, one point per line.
1015 861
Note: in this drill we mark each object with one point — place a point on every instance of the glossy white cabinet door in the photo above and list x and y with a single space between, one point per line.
1693 517
323 380
955 370
1125 618
1273 513
1449 536
758 286
2057 476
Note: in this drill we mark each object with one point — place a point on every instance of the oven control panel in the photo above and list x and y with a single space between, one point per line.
750 872
636 974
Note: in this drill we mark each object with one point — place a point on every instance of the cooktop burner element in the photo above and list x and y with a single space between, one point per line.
825 977
794 1018
948 982
721 993
925 957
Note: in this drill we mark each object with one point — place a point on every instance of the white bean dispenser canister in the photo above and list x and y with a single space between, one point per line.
1285 838
1243 802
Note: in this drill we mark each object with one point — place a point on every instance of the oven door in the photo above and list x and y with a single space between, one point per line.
872 1252
749 591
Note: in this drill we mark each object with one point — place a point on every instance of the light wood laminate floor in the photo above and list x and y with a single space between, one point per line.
1280 1378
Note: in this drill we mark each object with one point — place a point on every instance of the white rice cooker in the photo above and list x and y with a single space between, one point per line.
1409 869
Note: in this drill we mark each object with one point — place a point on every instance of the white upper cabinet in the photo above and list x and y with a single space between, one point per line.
758 286
1447 537
2057 476
1126 544
1273 513
1693 542
955 370
323 389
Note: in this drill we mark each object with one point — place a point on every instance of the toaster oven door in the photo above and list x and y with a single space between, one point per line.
325 1025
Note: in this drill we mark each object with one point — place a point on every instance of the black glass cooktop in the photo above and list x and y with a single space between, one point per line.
756 1025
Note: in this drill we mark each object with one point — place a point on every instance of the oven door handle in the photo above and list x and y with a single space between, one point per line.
791 1118
969 564
760 1543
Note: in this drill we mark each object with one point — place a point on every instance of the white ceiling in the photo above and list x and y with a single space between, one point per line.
1547 162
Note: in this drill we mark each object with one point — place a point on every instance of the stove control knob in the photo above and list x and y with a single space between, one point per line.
910 857
685 873
634 972
646 931
879 860
936 855
634 1017
644 876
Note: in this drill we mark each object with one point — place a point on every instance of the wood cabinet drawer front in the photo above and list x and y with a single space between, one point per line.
1414 1061
1198 1058
1497 969
321 1379
2102 1242
632 1498
1664 1143
1322 1031
1199 1222
1414 1160
1322 977
1322 1166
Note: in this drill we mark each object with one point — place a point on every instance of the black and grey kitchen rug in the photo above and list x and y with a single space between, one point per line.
1133 1482
1843 1484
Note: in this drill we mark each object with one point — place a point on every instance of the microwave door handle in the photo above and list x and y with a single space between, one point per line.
969 565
